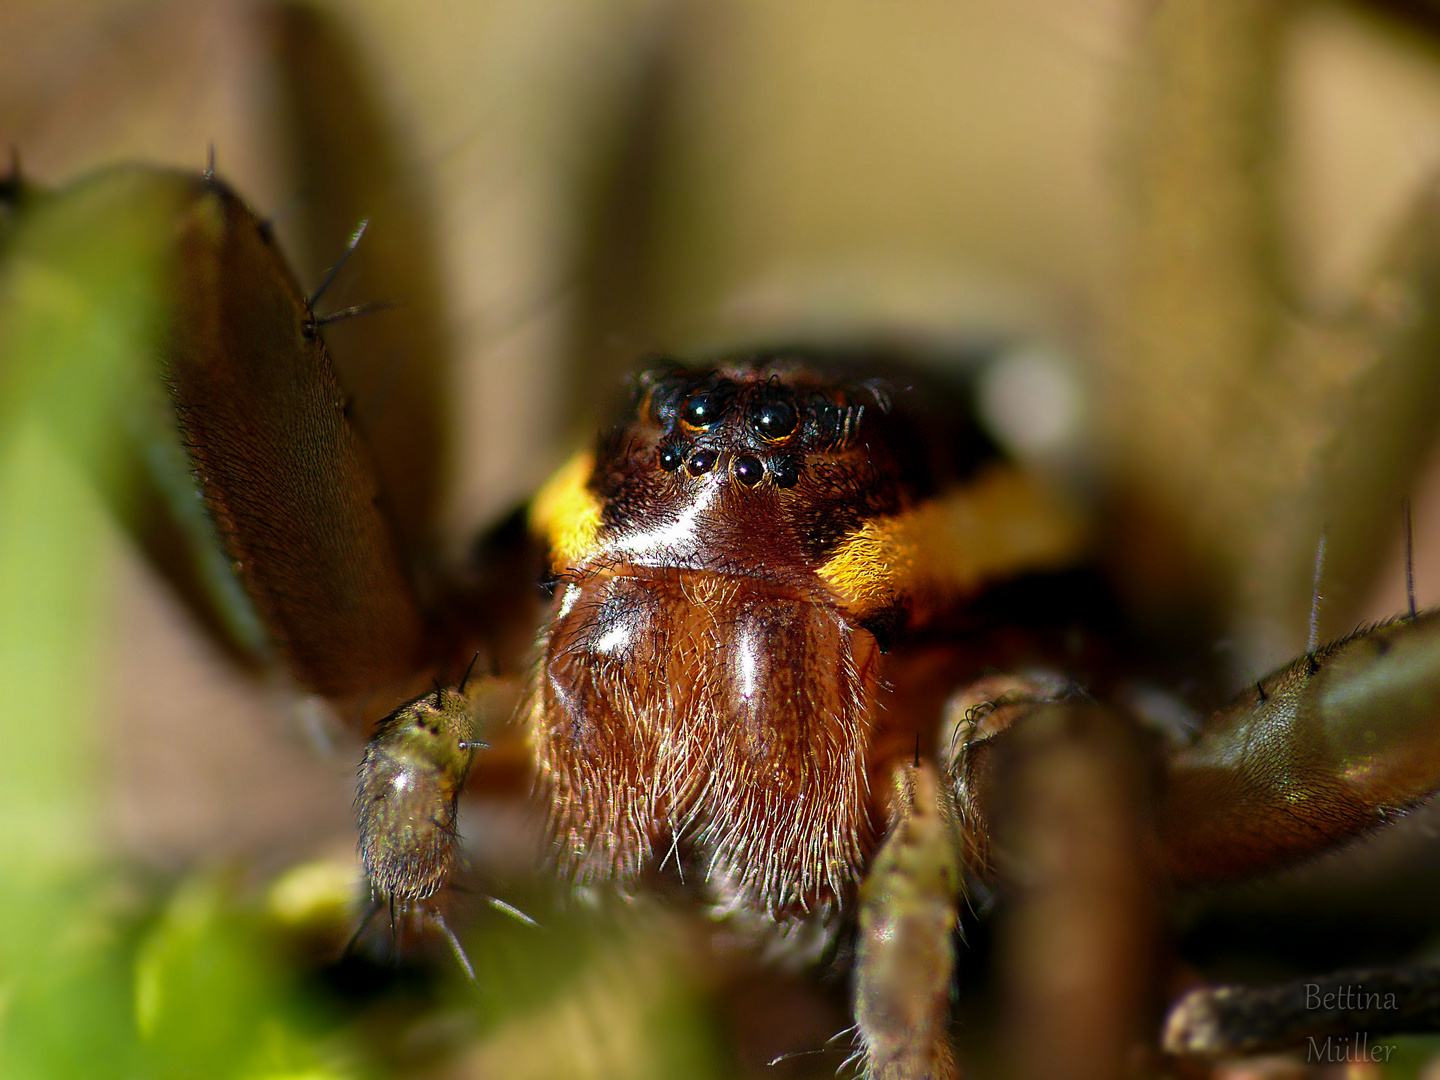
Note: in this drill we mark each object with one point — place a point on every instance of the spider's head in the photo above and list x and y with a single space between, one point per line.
759 463
784 468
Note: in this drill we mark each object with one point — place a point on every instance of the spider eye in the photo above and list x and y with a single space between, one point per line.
703 409
670 457
747 469
785 471
774 419
701 462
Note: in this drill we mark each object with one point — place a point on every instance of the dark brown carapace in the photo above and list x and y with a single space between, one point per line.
732 563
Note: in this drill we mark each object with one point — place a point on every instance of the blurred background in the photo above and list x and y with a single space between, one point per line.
1196 242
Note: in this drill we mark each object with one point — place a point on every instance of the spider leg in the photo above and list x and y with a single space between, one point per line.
1317 753
439 919
906 951
1316 1012
376 903
302 529
1053 793
395 931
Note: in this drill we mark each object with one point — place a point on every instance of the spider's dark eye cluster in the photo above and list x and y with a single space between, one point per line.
742 426
703 409
706 405
785 472
748 469
701 462
774 418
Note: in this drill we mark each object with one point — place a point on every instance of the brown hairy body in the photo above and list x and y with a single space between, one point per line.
732 563
727 714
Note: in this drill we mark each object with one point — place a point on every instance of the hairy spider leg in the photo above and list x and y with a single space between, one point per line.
376 903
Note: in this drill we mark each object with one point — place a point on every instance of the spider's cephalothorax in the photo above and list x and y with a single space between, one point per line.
733 561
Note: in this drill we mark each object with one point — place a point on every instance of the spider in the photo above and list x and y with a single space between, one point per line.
918 784
813 645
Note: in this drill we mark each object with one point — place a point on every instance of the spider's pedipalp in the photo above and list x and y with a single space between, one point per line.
905 955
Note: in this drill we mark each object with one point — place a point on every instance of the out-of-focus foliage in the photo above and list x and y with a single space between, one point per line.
101 972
